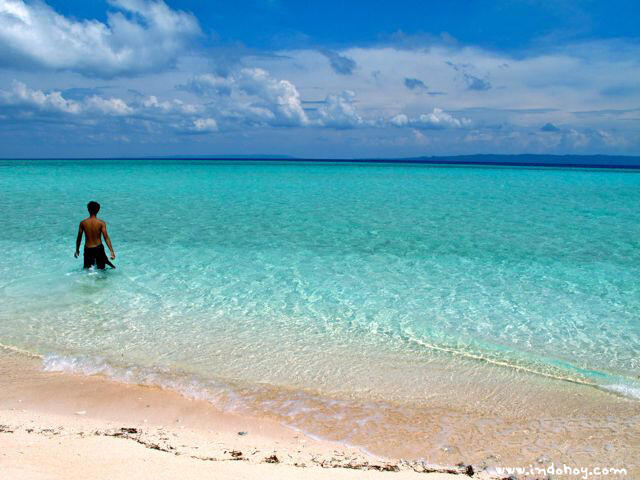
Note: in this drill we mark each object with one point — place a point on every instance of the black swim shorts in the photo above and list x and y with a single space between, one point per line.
96 256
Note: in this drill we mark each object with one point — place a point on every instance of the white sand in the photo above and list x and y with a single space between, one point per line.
47 446
61 426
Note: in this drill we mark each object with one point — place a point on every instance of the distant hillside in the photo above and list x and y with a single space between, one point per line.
602 161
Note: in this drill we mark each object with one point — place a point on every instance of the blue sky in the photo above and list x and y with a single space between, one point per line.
328 79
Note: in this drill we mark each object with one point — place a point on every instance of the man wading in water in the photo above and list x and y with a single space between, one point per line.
93 229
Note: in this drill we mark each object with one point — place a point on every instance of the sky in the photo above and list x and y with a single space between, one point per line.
332 79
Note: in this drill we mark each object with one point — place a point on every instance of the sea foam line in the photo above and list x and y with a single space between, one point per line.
53 363
621 389
219 394
626 390
21 351
502 363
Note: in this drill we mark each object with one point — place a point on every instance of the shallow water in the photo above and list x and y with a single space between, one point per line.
399 284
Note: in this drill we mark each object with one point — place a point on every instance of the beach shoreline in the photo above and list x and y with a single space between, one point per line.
58 425
39 407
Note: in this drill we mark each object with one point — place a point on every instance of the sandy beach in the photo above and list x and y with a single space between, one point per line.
38 445
56 425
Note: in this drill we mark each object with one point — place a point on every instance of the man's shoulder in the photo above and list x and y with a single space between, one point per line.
90 220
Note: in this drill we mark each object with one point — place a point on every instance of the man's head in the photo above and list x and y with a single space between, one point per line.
93 207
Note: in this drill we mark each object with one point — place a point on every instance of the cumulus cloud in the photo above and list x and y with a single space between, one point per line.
280 97
209 84
576 138
400 120
514 111
171 106
438 119
21 100
252 95
339 111
341 64
22 96
139 36
205 125
108 106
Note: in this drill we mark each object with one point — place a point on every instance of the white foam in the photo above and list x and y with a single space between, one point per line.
290 408
84 366
502 363
219 394
626 390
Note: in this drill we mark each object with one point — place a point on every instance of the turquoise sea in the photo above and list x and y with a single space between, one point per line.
297 288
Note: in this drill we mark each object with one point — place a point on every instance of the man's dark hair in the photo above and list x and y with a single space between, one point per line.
93 207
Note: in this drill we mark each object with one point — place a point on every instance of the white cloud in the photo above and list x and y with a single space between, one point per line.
205 125
139 36
209 84
577 139
526 90
399 120
281 97
22 96
437 119
108 106
578 92
252 95
339 111
171 106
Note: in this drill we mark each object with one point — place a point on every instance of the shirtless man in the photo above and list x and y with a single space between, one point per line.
93 229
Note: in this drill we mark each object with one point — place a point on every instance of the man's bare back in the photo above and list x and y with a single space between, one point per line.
93 230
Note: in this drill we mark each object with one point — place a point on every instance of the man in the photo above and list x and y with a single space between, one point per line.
93 230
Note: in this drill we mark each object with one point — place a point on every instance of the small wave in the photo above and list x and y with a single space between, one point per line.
502 363
85 366
19 350
620 389
218 393
626 390
292 408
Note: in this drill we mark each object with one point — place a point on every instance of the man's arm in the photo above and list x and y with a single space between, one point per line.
79 240
107 240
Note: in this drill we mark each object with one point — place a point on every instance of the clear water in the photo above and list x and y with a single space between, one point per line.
375 282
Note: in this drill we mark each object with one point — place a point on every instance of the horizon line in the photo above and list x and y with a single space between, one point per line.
480 159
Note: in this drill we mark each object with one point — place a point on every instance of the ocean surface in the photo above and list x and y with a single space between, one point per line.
304 289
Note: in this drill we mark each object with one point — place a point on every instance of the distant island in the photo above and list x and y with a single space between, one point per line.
592 161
